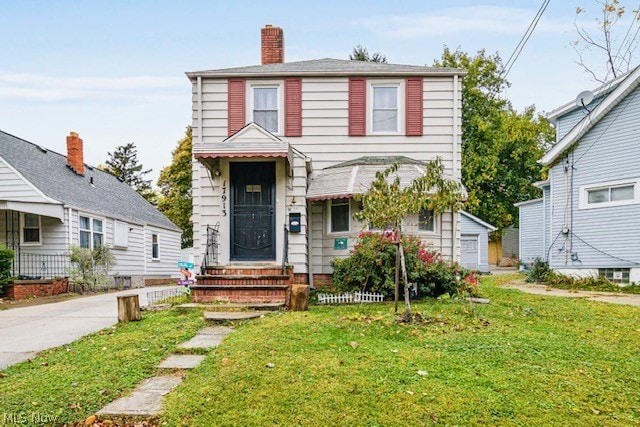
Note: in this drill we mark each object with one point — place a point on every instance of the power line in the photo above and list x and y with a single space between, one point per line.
525 38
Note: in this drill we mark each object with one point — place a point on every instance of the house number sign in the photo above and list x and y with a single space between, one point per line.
224 198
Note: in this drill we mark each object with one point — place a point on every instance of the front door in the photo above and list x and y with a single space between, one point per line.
253 211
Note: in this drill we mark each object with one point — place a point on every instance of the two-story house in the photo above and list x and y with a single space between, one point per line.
588 221
280 149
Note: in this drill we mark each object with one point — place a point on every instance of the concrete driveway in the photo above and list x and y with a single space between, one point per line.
28 330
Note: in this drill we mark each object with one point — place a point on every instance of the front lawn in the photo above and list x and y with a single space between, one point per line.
522 360
74 381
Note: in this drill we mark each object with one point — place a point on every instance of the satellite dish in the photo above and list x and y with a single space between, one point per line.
584 98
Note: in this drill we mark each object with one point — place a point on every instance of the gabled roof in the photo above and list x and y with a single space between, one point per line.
96 192
327 67
478 221
622 89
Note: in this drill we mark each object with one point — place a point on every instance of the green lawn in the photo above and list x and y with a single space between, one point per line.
522 360
76 380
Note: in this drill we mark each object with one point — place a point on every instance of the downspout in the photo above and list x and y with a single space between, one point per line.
456 142
198 252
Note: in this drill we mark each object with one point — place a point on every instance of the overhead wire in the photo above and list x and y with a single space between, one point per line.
523 41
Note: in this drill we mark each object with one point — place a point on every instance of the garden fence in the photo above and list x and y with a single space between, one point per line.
350 298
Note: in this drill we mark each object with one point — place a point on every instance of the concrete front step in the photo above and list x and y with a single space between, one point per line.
233 270
231 306
224 316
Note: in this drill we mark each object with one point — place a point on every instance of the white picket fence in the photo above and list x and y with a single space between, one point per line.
350 298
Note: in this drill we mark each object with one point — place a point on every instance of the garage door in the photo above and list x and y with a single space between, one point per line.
469 252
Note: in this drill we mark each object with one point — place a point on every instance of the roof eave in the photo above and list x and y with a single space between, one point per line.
222 75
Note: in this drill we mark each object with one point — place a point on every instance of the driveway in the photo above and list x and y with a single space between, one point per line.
28 330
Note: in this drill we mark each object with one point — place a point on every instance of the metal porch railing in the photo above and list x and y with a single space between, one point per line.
28 266
211 252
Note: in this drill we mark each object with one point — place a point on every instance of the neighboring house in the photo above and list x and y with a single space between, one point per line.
474 243
280 149
49 202
588 221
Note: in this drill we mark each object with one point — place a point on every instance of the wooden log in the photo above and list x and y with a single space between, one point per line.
129 308
299 298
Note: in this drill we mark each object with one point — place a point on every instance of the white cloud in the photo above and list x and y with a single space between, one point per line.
46 88
485 19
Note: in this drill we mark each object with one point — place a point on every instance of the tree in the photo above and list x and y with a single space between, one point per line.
124 164
605 40
175 189
360 53
500 147
385 204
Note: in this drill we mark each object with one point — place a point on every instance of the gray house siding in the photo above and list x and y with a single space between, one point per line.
531 229
471 229
600 237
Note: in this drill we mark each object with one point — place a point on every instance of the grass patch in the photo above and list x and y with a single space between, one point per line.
522 360
76 380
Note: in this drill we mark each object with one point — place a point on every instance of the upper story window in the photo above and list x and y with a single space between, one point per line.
265 107
384 116
30 229
610 194
91 232
426 220
340 217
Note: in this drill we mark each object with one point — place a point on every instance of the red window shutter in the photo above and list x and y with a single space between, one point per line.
236 106
293 107
357 107
414 107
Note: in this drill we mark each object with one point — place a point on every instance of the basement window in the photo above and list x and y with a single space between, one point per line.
615 275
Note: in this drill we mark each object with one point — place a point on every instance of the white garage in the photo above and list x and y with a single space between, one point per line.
474 242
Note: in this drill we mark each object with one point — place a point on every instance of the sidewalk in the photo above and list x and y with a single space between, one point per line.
610 297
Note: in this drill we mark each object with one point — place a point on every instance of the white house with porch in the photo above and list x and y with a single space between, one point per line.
280 149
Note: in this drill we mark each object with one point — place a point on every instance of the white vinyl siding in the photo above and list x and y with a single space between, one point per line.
16 188
169 251
325 142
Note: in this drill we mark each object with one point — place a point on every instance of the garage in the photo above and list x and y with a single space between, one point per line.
474 242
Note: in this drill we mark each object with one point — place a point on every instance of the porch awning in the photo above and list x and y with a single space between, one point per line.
45 209
237 149
355 177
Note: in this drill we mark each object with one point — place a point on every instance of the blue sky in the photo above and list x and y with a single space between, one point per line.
113 71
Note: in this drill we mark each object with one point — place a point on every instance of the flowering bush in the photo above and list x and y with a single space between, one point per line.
371 267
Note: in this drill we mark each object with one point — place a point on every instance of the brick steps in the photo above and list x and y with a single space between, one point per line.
246 283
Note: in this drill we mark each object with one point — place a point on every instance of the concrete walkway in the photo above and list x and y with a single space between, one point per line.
610 297
28 330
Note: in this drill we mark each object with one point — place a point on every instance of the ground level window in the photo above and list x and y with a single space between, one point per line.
91 232
339 215
155 247
30 228
426 221
616 275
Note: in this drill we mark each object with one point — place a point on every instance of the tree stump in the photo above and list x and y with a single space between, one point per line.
299 298
129 308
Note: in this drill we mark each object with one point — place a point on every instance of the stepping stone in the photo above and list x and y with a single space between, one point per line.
224 316
207 338
146 399
181 361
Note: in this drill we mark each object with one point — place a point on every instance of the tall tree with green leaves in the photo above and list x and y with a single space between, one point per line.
175 189
124 164
361 53
500 146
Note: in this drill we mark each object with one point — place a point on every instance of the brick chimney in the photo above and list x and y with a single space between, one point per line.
272 45
75 156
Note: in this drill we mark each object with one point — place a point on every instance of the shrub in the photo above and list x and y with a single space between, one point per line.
90 267
6 262
371 267
539 272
